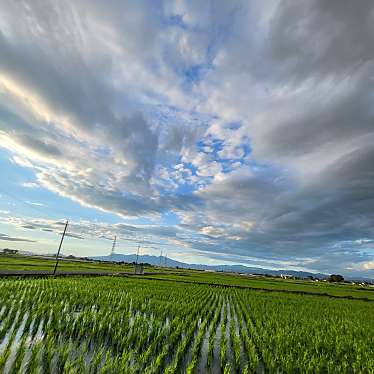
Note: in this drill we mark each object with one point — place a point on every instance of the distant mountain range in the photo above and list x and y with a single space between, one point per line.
163 261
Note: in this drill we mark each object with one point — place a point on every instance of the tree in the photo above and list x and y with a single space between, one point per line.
335 278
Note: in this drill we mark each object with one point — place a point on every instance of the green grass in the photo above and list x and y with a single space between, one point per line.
134 325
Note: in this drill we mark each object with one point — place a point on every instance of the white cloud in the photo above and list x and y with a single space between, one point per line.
35 203
368 265
30 185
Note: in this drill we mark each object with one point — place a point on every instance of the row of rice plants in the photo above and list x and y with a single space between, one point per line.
116 325
194 323
196 348
212 334
306 333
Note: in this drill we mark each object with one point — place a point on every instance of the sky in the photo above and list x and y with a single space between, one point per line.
215 131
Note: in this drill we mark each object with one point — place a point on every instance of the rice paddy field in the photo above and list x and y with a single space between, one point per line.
17 263
136 325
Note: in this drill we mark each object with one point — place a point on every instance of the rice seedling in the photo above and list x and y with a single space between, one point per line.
235 342
212 335
115 325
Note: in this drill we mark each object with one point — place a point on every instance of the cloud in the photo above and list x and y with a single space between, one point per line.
251 123
147 234
75 236
30 185
35 203
368 265
14 239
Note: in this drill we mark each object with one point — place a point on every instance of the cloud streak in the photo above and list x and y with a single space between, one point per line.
7 238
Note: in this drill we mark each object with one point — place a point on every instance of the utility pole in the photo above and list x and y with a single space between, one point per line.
113 248
161 258
59 247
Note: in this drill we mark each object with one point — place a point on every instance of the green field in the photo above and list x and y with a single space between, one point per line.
34 263
135 325
39 263
269 283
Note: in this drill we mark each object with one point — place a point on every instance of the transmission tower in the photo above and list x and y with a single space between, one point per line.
113 247
137 254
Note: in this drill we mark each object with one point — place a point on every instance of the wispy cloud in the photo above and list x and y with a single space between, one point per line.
30 185
14 239
35 203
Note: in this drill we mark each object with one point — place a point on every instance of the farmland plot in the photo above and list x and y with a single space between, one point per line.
125 325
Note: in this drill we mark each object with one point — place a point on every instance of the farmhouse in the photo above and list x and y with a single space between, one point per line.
286 276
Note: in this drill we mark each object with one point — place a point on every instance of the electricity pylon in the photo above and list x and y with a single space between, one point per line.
113 247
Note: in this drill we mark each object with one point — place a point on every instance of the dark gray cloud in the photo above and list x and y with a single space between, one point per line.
319 38
305 87
14 239
75 236
41 57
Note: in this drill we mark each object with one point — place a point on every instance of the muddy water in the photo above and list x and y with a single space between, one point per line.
229 352
202 364
15 344
242 353
188 356
9 333
216 367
